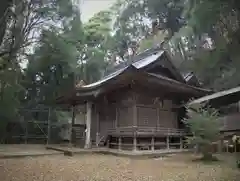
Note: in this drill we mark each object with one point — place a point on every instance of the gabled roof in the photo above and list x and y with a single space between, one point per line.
147 60
138 65
141 61
125 77
138 71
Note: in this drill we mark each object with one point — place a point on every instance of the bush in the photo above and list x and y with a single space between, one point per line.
205 129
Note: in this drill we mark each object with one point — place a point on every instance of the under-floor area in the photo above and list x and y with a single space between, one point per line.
99 167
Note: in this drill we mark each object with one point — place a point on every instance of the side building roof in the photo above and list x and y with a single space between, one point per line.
219 99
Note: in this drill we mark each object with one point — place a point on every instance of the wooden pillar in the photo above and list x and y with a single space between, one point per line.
108 143
98 127
26 130
116 119
135 123
158 116
168 142
88 125
72 124
134 141
97 139
238 106
181 142
119 143
220 146
152 143
49 126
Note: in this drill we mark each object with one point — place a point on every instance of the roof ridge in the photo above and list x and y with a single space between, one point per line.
146 52
136 58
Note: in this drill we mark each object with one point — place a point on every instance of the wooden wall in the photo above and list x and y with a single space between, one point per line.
118 111
103 118
147 116
230 122
124 116
157 112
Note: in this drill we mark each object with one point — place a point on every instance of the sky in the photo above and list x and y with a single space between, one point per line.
91 7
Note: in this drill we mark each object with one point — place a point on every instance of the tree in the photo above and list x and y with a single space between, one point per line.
205 129
67 52
98 43
218 25
21 24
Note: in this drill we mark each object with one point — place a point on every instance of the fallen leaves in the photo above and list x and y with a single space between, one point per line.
110 168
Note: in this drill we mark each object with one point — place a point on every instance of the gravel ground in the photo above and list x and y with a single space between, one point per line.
111 168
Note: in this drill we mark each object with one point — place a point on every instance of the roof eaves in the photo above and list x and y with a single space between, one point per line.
107 78
215 95
180 83
142 63
137 65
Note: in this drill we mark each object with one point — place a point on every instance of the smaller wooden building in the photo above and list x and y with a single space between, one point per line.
138 106
228 104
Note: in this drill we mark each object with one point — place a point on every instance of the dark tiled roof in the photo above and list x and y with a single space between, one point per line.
134 59
137 64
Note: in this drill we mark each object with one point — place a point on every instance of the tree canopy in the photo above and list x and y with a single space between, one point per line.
46 49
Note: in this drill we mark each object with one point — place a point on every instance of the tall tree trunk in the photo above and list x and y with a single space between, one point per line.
4 11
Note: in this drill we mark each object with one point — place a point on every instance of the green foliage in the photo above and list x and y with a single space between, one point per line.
59 48
218 20
132 23
66 52
236 141
204 127
98 27
152 41
168 12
